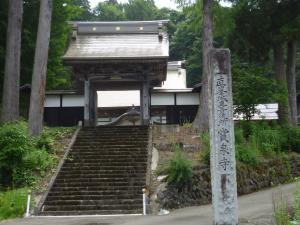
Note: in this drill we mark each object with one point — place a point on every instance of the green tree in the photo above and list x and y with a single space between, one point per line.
277 23
141 10
85 13
109 11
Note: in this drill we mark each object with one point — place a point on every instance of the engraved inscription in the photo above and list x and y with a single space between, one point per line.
222 124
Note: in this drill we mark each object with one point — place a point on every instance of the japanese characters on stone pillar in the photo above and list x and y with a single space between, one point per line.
223 165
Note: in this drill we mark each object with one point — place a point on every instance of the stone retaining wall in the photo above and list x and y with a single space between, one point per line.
250 179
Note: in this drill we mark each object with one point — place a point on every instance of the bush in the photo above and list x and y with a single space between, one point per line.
244 153
22 157
268 141
14 144
13 203
45 141
180 168
293 139
205 149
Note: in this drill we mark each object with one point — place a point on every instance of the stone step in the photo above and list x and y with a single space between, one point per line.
91 207
113 133
101 172
100 164
85 202
110 179
112 138
109 157
112 145
105 160
103 193
91 212
138 167
104 173
99 152
122 174
102 188
98 184
81 196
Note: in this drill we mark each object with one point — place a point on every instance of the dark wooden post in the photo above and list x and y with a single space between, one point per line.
145 104
92 105
86 103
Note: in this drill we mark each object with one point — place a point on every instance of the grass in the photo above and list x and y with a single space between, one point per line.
13 203
36 159
283 213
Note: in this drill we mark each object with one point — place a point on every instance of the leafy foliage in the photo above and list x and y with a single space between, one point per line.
246 83
23 158
14 144
180 169
13 203
293 138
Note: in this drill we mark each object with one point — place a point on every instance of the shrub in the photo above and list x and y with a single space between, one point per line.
180 168
13 203
36 162
14 144
293 139
45 141
267 141
205 149
244 153
22 157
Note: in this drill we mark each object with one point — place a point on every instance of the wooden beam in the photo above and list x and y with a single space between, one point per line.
86 103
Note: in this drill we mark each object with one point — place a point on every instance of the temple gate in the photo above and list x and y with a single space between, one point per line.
117 56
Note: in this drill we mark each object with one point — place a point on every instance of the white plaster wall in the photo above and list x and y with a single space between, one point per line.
73 101
162 99
175 80
52 101
187 98
118 98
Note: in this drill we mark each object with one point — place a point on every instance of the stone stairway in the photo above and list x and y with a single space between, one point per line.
104 173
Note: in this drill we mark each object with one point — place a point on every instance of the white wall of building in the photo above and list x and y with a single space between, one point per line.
176 79
73 101
52 101
162 99
118 98
187 98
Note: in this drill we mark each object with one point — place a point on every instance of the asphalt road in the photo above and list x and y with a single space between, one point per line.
255 208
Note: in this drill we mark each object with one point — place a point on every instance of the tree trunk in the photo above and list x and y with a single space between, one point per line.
10 97
39 76
291 80
280 75
201 122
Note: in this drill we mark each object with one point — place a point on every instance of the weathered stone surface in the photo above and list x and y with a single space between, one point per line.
249 179
223 165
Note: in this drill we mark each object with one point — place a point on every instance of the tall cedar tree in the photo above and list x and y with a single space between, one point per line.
201 121
10 97
36 109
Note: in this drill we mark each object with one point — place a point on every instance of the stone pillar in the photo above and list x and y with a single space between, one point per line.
223 165
145 104
86 103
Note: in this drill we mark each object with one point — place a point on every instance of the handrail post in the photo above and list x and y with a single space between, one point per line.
144 201
28 206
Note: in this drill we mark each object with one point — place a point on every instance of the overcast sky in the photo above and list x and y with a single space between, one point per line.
159 3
